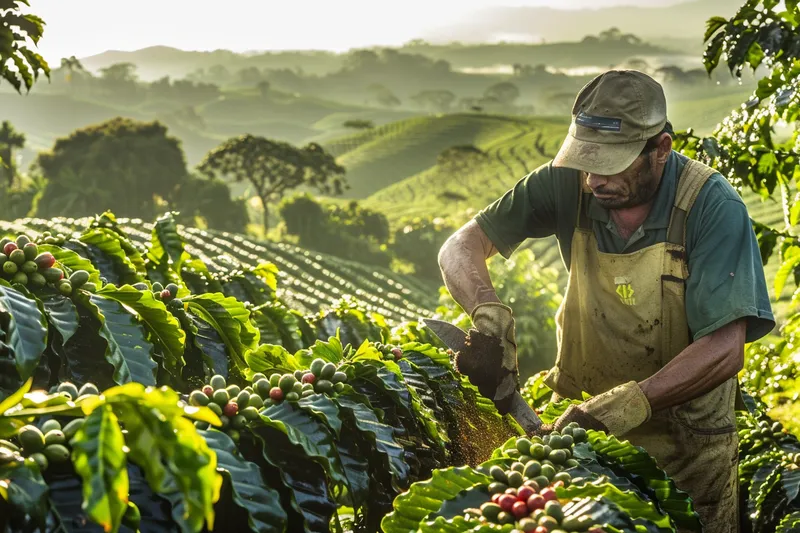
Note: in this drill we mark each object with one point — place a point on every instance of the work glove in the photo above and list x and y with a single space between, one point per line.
616 411
493 370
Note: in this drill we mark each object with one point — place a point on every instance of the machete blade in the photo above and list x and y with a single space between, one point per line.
452 336
455 338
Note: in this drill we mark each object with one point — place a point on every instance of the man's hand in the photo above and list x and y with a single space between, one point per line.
497 321
616 411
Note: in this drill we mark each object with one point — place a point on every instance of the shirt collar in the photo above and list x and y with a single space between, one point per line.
662 206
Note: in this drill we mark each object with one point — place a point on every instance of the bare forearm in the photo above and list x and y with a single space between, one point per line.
698 369
462 261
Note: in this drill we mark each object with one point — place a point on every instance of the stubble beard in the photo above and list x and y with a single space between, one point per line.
643 191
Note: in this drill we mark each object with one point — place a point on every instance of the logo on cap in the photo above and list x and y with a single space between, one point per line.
598 123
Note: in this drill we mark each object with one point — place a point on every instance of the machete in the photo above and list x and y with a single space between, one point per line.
455 338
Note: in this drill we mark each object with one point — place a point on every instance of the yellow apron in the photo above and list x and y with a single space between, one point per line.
623 318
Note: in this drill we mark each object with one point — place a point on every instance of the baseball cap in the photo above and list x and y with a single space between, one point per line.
612 118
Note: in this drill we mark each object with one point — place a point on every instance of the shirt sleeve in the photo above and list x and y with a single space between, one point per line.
726 278
527 210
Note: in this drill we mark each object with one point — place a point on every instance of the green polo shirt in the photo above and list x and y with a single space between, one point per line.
727 278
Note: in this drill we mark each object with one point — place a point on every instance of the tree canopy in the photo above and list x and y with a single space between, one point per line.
273 167
121 165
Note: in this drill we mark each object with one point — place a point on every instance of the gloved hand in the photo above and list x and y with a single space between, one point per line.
496 378
616 411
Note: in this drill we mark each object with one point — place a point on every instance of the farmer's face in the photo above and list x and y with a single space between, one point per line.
636 185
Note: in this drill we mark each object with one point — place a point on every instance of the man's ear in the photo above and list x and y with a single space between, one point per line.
664 148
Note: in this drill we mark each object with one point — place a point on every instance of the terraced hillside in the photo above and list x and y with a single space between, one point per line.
307 281
381 157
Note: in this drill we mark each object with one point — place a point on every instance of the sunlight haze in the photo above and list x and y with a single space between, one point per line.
87 27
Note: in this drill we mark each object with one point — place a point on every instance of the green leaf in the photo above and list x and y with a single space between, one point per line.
271 358
437 355
635 463
323 408
61 314
331 351
231 319
300 473
308 432
10 426
108 242
168 447
269 273
209 343
162 325
250 491
790 523
278 325
100 460
166 245
425 404
25 489
713 25
790 261
353 456
426 497
380 437
198 269
70 261
791 484
127 347
633 505
26 333
387 383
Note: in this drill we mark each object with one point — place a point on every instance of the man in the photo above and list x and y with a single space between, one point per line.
665 287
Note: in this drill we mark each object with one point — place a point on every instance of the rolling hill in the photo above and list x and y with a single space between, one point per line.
383 157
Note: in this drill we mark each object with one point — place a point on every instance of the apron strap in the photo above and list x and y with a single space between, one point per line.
584 194
694 176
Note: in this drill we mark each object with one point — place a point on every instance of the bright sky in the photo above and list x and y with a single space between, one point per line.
86 27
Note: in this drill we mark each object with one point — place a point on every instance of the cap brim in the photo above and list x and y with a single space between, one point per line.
597 158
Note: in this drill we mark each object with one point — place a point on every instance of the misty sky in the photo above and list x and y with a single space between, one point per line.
86 27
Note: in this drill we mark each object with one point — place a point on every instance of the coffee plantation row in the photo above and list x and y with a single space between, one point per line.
176 387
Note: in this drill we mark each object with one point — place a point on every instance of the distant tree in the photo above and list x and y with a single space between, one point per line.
209 200
124 165
559 103
119 72
630 38
611 34
361 60
249 75
460 158
359 124
273 167
302 216
10 140
263 88
637 63
17 30
440 100
670 74
504 93
219 74
343 230
383 95
70 65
